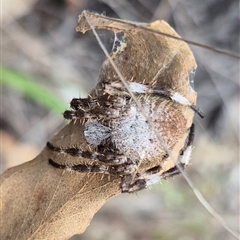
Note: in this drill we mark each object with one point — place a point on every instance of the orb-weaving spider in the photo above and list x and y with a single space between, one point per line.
138 138
109 117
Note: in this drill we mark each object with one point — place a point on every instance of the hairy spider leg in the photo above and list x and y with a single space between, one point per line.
93 108
109 156
103 169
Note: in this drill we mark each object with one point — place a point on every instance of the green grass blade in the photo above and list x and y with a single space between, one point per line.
30 88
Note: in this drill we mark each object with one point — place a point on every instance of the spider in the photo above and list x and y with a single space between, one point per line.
159 72
122 137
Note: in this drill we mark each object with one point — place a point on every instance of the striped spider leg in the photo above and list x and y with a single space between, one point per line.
107 161
167 93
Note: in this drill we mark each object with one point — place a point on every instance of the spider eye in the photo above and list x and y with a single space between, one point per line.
191 78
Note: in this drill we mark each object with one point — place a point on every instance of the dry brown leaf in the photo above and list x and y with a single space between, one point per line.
42 202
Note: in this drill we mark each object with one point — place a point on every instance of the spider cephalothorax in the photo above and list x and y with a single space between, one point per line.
122 140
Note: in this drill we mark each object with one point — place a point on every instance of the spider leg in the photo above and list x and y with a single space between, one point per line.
123 169
80 106
130 185
152 175
75 152
187 149
80 103
174 96
147 89
94 108
106 156
70 115
166 93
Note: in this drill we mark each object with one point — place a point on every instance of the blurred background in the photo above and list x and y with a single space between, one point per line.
45 63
